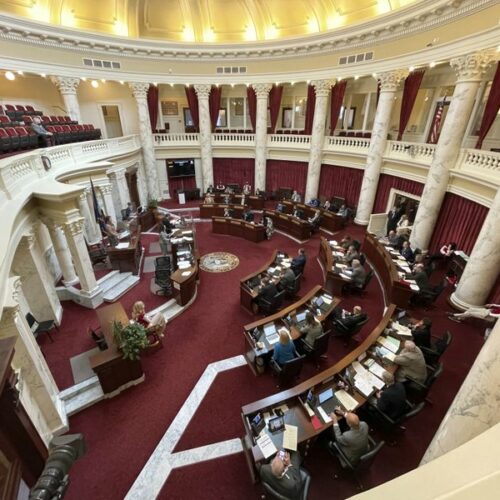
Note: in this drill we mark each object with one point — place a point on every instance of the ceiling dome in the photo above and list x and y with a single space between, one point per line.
204 21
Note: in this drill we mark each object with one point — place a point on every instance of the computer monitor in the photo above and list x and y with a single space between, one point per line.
257 424
325 395
301 316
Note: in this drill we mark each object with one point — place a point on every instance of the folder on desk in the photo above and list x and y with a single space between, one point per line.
290 437
346 400
266 445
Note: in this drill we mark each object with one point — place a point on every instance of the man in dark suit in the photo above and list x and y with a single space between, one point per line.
407 252
287 279
351 320
267 290
392 219
392 399
299 262
283 474
421 333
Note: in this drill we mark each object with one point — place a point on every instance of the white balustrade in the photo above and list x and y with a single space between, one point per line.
301 141
478 160
346 144
233 139
417 152
170 139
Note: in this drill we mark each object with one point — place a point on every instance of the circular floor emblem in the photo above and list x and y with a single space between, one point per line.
219 262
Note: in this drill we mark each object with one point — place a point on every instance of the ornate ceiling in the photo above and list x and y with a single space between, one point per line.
209 21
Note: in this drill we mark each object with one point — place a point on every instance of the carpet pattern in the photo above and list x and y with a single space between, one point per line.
219 262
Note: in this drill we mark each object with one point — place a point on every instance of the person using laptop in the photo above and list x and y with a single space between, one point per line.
353 442
283 474
312 329
284 350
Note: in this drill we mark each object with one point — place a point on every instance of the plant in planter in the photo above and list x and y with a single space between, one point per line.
152 204
130 339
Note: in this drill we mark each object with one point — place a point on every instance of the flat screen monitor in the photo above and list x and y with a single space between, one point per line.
180 168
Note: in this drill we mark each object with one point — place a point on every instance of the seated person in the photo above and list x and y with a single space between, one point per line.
267 290
299 262
209 199
316 218
421 278
283 474
312 329
284 350
350 255
247 216
489 311
354 442
280 208
139 313
392 399
350 320
327 205
297 212
395 240
247 189
287 278
358 274
403 225
210 189
421 332
407 252
344 212
44 136
296 198
228 212
411 363
346 242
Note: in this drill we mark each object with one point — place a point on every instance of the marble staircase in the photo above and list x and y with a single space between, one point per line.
116 284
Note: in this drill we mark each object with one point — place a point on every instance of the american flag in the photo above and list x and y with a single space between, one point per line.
436 124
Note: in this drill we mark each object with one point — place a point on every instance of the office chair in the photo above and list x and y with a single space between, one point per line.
319 349
364 463
428 298
340 330
360 290
162 280
419 391
294 288
306 482
288 372
39 328
267 307
433 354
163 264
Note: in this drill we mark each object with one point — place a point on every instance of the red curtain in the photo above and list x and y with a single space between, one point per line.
284 173
180 183
311 102
341 181
460 221
252 106
336 101
386 183
192 100
274 104
214 105
234 170
491 109
153 106
412 84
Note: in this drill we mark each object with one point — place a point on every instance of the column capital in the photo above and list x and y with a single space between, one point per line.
472 66
66 84
262 90
202 91
389 81
116 174
75 227
139 89
105 189
322 87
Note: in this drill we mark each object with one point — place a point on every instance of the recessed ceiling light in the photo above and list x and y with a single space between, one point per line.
9 75
432 64
94 83
84 79
20 72
103 80
411 68
356 77
43 75
122 82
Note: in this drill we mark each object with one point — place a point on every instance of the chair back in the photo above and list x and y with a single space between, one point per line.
30 319
368 278
442 344
291 370
321 345
278 300
367 459
434 375
358 326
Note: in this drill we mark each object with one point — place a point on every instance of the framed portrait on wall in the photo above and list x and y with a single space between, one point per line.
169 108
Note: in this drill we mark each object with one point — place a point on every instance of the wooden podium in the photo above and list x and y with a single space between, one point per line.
127 259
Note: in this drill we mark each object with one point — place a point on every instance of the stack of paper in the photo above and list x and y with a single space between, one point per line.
346 400
401 329
266 446
327 300
290 437
390 343
377 369
386 353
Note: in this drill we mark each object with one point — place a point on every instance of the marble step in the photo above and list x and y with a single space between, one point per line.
81 395
109 280
127 282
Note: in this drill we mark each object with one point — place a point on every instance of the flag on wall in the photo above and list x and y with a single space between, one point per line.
436 123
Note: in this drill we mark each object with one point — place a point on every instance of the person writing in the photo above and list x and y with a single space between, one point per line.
284 350
283 474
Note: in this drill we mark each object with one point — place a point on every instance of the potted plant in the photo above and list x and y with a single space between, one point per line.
130 339
153 204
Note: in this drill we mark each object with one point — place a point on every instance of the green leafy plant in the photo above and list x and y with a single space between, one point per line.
152 203
130 339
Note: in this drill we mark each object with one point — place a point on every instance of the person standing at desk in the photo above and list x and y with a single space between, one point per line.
358 274
296 198
392 219
247 189
350 255
110 231
284 350
299 262
287 279
269 228
283 474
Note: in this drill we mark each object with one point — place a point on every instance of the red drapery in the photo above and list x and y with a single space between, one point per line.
341 181
412 84
153 106
460 221
234 170
214 105
192 100
252 106
284 173
491 109
311 102
274 104
336 101
386 183
180 183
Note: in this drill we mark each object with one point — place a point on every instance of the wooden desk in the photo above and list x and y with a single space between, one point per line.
329 220
252 352
127 259
396 292
297 228
111 369
240 228
184 280
334 282
297 415
146 220
208 211
253 201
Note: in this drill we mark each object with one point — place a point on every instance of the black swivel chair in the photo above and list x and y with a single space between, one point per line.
319 349
163 263
163 281
418 391
340 329
294 288
288 372
364 463
306 482
361 290
271 306
433 354
39 328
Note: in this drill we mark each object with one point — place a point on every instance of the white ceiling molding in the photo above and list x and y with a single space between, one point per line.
416 18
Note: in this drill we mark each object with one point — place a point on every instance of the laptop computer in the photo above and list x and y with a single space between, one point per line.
328 401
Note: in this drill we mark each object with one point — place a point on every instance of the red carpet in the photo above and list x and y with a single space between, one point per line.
122 433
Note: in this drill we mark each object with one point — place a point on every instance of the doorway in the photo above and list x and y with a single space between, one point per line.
112 120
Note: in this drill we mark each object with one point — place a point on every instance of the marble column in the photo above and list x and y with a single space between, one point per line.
366 111
89 228
262 94
483 266
93 224
322 91
140 91
142 188
389 83
470 70
38 391
119 192
67 87
476 406
198 173
106 191
48 252
203 92
76 243
62 253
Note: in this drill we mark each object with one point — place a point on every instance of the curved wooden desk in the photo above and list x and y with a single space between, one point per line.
298 228
253 201
329 220
217 210
296 414
334 282
239 227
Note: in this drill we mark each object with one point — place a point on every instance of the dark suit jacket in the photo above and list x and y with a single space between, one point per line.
422 336
287 279
392 220
423 281
393 401
268 292
290 485
407 253
298 262
352 321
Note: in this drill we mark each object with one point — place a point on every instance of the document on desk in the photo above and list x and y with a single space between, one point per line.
341 266
363 386
323 415
346 400
390 345
327 300
401 329
376 369
387 354
345 276
266 445
290 437
415 288
121 246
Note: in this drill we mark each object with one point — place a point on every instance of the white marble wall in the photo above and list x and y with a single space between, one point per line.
483 267
62 252
476 406
198 173
106 191
67 87
164 187
322 91
119 191
470 70
262 94
203 92
48 252
389 83
89 227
